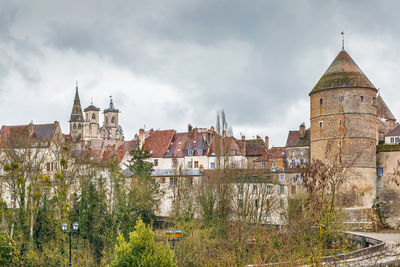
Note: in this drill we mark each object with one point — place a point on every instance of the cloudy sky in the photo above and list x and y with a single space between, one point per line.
170 63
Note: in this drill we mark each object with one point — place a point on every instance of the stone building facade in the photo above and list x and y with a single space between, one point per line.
88 127
343 124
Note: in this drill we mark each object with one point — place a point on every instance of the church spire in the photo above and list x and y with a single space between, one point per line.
76 114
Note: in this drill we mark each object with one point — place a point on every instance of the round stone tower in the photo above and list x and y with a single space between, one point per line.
344 125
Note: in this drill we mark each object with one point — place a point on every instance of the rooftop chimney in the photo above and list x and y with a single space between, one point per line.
141 138
244 145
266 142
302 130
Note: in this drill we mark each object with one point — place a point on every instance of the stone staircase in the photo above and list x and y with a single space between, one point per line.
361 219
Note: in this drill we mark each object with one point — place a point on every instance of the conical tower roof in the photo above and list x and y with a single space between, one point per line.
343 73
76 114
383 110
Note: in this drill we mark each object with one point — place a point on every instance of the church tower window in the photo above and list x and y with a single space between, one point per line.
113 119
74 126
93 116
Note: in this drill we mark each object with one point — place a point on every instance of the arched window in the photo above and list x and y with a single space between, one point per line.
79 126
113 119
94 116
74 126
321 101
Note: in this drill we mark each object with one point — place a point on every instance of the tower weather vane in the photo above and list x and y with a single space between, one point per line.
342 40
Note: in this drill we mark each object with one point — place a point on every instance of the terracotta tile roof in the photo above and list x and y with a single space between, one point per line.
255 147
196 142
294 139
230 145
395 131
272 154
176 148
343 72
29 133
382 110
158 142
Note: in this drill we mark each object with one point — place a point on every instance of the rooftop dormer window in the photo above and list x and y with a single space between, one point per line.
194 142
200 151
190 152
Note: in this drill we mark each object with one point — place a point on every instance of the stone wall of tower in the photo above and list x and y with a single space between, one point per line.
343 130
76 129
92 127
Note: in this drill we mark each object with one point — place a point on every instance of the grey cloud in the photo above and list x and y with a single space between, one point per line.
255 59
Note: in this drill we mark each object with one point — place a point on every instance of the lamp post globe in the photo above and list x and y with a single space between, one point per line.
75 226
64 226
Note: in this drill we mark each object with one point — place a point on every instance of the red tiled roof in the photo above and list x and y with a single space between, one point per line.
176 148
20 133
271 154
158 142
294 139
229 141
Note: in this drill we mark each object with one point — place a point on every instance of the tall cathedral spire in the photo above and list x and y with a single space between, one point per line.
76 114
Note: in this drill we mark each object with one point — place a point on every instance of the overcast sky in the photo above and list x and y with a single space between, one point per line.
170 63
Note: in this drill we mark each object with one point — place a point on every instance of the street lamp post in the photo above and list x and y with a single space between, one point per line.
64 227
178 235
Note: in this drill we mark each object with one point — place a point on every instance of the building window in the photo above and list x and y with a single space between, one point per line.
173 181
212 165
74 126
340 122
190 164
254 189
282 177
274 165
162 180
179 150
301 178
79 126
396 140
321 101
340 143
263 165
196 164
321 124
190 152
282 189
268 216
269 189
380 172
392 140
302 152
200 151
156 162
93 116
374 101
256 203
233 152
292 163
113 119
293 154
302 162
190 181
341 99
362 98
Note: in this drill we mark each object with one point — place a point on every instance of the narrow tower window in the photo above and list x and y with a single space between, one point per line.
74 126
93 116
113 119
341 99
321 124
362 98
374 101
321 101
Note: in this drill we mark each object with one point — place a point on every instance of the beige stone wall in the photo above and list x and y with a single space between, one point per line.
388 189
343 131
